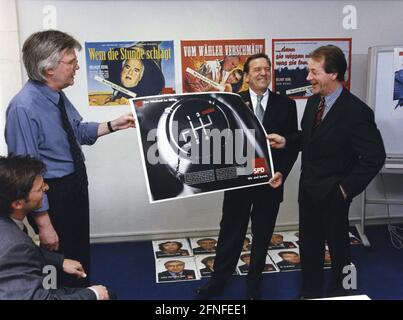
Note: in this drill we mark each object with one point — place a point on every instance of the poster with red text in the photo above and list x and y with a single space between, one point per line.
290 64
216 65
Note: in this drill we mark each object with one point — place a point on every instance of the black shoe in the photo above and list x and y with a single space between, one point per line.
211 288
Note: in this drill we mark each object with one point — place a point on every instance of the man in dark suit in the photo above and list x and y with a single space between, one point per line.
176 272
22 264
260 203
342 151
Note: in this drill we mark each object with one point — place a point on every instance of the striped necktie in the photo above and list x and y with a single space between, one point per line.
319 112
259 109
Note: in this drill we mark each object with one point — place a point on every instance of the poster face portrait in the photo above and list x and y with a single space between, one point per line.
118 71
217 65
171 248
176 269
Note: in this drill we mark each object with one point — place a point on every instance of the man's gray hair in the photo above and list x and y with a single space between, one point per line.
43 50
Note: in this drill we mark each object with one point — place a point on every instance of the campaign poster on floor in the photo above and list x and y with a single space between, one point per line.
287 259
171 248
196 143
176 269
118 71
216 65
244 263
290 64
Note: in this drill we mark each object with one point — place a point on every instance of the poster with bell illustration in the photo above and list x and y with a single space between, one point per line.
197 143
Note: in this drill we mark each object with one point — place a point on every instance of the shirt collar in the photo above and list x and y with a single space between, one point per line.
19 223
254 94
46 91
332 97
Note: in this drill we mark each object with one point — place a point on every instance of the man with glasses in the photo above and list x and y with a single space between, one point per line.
24 266
42 122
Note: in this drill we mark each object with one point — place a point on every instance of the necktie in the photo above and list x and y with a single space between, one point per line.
75 150
319 112
259 109
24 229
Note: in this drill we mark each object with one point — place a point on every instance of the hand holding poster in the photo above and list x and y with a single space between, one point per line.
198 143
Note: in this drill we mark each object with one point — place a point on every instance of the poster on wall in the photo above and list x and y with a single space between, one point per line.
196 143
398 82
118 71
290 64
216 65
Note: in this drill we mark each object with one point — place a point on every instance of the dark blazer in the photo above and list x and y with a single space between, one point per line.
346 149
21 265
280 117
186 275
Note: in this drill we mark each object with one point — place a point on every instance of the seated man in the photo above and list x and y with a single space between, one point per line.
22 264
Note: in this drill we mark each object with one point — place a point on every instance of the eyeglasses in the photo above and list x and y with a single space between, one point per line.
73 63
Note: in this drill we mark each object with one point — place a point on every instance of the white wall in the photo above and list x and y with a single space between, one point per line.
10 66
119 204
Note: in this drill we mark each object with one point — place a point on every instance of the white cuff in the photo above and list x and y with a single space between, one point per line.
95 291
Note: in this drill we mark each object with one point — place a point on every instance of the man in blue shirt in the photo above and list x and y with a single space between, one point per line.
42 122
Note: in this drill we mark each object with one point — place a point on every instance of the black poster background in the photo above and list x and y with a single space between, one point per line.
180 173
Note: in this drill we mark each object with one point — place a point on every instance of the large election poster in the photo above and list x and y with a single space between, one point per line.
398 77
198 143
290 64
216 65
118 71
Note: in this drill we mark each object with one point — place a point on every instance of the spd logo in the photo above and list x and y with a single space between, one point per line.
259 166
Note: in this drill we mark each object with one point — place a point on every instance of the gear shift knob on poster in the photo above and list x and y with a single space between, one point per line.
199 143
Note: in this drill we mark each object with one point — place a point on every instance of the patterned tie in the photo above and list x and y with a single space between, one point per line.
319 112
259 109
75 150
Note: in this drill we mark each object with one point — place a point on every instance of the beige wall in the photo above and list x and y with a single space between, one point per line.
10 67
